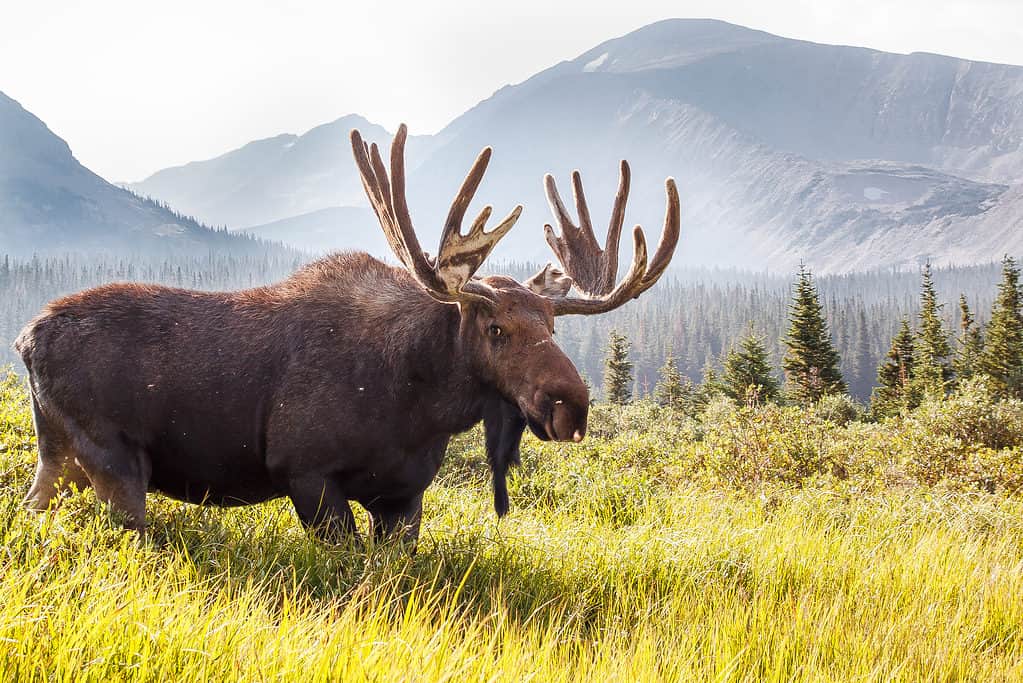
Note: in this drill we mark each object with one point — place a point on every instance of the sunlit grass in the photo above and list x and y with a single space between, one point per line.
642 576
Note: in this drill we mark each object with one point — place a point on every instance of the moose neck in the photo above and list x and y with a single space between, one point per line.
434 361
399 338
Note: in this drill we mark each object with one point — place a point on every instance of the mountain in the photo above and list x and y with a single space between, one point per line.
50 202
785 151
331 229
268 180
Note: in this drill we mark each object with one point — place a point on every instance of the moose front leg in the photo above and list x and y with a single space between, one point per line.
389 518
323 509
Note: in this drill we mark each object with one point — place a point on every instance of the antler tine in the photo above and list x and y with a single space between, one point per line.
449 277
561 216
594 270
614 229
465 194
460 256
398 201
580 206
418 262
669 236
377 199
380 173
630 287
576 248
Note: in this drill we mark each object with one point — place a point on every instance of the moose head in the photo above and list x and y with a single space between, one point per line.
506 327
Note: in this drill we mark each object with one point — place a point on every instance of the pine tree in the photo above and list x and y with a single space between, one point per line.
811 364
708 389
970 344
748 373
864 365
895 376
617 370
932 354
672 390
1002 358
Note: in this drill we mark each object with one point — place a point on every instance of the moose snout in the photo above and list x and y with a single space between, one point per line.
567 419
558 415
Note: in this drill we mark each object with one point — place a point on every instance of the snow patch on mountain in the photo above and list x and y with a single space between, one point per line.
595 64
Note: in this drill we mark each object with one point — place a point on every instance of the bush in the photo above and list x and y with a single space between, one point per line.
839 409
751 445
953 440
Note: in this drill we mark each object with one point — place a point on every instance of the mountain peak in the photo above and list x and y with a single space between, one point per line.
343 124
671 43
24 137
845 157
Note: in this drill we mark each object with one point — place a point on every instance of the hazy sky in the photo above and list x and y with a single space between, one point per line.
137 86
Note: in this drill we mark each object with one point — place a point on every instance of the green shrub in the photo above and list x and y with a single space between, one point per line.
945 439
840 409
751 445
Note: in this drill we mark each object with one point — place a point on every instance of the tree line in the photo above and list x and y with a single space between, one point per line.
695 318
925 359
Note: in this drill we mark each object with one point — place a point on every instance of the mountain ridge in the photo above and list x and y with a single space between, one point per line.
784 150
51 202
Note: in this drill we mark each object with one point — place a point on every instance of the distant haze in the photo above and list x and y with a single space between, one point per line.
134 89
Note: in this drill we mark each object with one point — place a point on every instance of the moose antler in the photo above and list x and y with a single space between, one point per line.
448 278
594 269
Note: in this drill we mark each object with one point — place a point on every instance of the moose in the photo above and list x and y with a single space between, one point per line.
342 383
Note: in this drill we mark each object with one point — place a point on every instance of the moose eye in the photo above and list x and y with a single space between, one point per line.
495 330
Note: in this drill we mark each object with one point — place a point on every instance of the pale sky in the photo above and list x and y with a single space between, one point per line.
137 86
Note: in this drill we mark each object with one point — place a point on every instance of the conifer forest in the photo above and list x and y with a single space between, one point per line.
697 317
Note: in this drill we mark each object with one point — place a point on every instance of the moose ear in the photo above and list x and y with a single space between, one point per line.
550 282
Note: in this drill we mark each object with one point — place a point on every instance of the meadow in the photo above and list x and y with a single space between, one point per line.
743 543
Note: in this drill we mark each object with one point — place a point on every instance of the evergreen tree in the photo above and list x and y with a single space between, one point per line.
970 344
709 388
747 370
863 364
895 376
1002 358
617 370
811 364
932 371
672 390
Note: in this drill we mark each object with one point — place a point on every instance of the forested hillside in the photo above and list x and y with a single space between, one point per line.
698 315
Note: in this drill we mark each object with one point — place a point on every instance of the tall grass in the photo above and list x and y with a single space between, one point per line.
614 565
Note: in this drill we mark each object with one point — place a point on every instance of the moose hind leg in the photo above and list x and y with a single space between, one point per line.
323 509
57 468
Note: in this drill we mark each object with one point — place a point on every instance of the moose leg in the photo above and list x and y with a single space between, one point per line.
323 509
56 470
122 484
119 472
397 517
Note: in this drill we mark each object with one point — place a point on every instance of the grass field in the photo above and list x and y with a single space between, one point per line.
646 553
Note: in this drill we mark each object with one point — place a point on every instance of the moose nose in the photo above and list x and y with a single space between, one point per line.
567 420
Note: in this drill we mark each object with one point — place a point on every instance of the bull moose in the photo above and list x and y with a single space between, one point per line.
342 383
